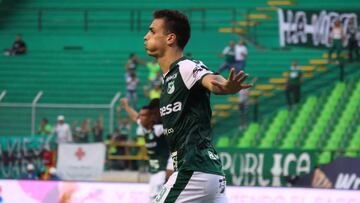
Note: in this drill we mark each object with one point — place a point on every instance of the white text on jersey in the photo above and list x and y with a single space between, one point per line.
168 109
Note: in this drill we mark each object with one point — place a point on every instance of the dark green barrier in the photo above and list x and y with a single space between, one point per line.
17 151
252 167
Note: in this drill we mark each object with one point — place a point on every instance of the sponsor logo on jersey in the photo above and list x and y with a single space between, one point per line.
213 156
168 131
171 87
171 77
170 108
222 185
174 158
196 70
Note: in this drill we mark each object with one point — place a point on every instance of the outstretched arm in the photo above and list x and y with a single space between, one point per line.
132 113
219 85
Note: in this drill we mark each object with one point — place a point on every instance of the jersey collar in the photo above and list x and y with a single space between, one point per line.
174 64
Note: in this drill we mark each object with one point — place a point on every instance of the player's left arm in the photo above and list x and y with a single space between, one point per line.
219 85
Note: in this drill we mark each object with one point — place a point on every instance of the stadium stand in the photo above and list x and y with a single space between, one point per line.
77 52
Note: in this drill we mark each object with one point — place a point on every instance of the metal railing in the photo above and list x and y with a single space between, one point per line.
35 105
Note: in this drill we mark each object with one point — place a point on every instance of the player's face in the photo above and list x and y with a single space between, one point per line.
155 40
156 115
145 118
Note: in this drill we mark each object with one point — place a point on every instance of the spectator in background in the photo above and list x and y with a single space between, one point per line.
132 63
45 128
18 47
229 55
335 40
48 156
119 138
153 93
123 125
241 54
131 85
353 41
243 105
49 174
83 131
98 130
53 174
154 69
293 85
30 173
62 131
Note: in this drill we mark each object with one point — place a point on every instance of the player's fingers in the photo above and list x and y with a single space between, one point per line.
231 74
239 75
246 86
243 78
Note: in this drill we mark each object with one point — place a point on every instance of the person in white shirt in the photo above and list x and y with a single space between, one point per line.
241 54
335 40
62 131
131 85
229 55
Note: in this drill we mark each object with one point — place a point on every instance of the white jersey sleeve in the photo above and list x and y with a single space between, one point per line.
192 71
141 130
158 130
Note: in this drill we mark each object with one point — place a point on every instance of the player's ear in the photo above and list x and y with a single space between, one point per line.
171 39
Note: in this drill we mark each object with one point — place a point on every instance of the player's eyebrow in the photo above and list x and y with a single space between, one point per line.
151 29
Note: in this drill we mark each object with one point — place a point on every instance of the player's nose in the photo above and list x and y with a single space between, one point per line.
146 37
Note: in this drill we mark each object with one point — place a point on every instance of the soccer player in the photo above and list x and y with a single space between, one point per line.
185 111
155 143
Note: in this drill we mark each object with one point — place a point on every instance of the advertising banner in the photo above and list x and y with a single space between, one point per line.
342 173
247 167
17 151
312 28
81 161
95 192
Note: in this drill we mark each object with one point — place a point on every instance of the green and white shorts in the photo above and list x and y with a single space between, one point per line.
156 182
193 187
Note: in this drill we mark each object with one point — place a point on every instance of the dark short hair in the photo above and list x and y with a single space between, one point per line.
177 23
154 104
145 108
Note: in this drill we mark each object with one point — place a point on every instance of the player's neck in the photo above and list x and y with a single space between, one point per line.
168 58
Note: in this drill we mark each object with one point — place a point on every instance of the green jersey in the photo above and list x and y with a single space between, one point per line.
157 149
229 54
294 77
186 114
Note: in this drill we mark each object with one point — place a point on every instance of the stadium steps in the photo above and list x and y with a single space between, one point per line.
312 140
354 144
291 137
338 133
249 137
273 130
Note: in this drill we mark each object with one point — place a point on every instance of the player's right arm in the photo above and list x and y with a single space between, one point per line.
134 115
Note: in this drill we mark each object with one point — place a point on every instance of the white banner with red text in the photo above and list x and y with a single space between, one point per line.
81 161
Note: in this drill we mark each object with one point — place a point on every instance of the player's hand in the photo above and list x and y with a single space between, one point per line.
124 102
234 83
